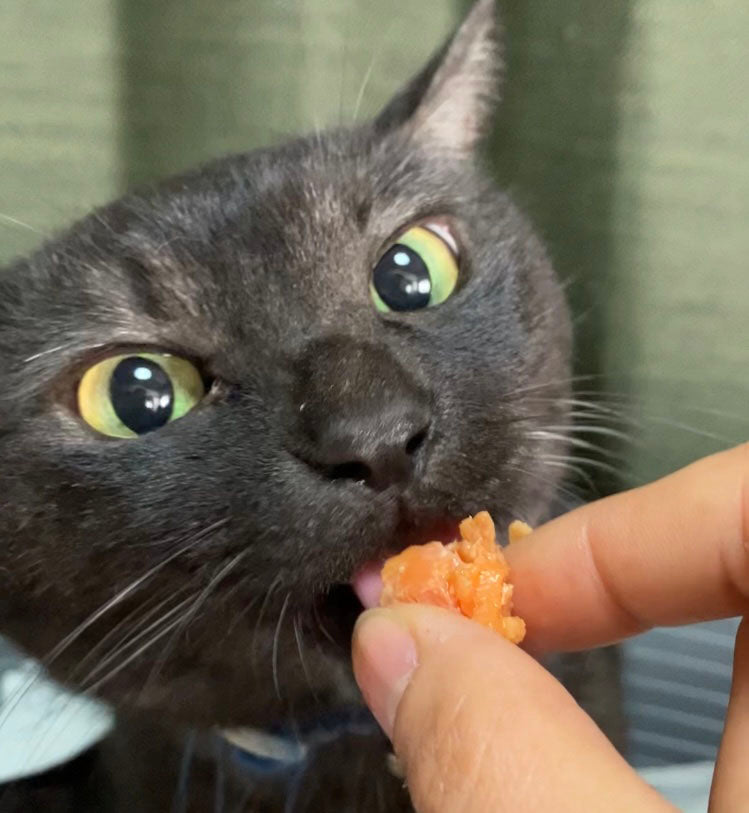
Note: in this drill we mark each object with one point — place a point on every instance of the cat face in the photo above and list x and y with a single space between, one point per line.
330 406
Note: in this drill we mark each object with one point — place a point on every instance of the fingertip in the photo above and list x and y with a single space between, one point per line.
384 657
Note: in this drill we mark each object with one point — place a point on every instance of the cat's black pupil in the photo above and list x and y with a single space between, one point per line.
402 279
142 394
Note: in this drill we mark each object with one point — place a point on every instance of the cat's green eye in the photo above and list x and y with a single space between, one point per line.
128 395
419 271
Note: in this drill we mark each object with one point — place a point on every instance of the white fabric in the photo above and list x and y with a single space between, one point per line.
41 725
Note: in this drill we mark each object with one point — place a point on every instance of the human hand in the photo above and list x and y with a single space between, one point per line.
479 725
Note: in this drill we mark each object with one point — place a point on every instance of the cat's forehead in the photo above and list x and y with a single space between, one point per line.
271 241
313 193
305 213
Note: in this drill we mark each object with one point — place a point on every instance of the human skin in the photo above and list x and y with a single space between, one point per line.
479 725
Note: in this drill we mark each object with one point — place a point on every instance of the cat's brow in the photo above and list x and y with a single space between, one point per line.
362 215
48 352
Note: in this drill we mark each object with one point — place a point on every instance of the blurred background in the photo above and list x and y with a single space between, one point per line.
624 134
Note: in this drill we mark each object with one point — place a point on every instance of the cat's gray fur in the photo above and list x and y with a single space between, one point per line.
257 267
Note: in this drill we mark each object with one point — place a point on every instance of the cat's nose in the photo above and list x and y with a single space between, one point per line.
361 416
378 449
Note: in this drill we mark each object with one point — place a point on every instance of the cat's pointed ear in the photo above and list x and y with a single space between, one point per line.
448 106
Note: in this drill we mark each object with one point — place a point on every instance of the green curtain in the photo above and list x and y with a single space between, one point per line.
59 119
624 134
201 78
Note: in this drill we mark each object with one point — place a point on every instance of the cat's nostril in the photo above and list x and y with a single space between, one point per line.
358 472
417 441
387 466
380 465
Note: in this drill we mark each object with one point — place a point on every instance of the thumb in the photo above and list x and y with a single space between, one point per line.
479 725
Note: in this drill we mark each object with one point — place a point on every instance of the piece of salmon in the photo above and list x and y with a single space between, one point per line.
469 576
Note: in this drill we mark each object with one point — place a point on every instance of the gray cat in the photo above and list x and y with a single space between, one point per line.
225 397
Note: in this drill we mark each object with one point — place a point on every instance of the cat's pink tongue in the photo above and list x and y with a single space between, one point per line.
367 584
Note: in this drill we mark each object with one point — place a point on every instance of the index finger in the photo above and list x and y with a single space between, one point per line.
673 552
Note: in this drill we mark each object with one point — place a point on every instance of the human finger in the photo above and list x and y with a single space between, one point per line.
479 725
673 552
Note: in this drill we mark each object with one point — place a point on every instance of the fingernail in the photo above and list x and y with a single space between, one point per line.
384 659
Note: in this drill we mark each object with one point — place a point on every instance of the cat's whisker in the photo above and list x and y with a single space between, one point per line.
274 585
127 591
241 614
42 734
600 405
717 413
105 639
685 427
546 385
577 461
570 281
342 77
540 317
602 395
543 434
571 467
641 420
132 640
578 419
48 352
363 87
625 408
628 438
299 638
197 605
276 639
14 221
94 687
11 704
179 804
589 429
581 317
323 629
579 403
615 414
567 488
592 420
504 421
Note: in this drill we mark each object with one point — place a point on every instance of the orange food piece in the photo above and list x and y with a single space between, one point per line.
469 576
518 530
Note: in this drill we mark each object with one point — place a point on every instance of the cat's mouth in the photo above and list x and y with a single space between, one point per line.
343 603
367 584
339 608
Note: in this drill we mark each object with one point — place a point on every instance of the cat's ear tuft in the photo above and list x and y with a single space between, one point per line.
448 106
